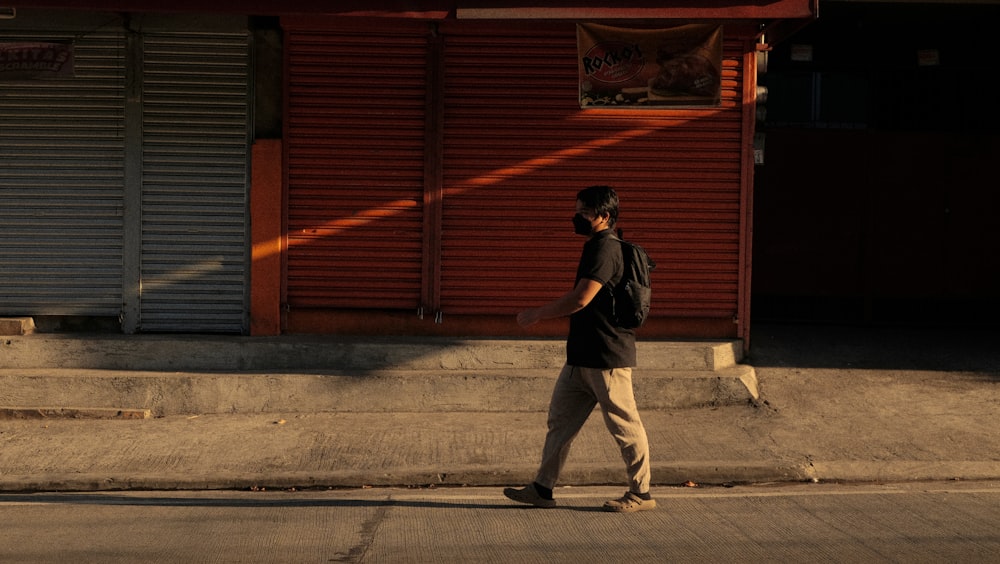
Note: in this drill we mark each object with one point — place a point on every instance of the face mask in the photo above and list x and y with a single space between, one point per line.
581 225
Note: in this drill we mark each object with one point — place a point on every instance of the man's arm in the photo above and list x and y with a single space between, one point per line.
570 303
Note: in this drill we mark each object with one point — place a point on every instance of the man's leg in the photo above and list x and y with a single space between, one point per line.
617 400
569 409
572 403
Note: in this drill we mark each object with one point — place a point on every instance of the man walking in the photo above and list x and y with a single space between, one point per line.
599 361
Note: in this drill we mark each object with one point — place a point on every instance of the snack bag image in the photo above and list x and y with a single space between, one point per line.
679 66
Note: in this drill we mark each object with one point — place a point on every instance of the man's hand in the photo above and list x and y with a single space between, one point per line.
528 317
568 304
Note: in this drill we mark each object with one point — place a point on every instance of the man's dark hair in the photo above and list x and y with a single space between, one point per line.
601 199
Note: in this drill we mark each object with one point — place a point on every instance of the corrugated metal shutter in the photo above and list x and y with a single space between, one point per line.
517 148
62 185
356 137
194 182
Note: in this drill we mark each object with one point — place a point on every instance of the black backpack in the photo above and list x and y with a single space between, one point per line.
632 295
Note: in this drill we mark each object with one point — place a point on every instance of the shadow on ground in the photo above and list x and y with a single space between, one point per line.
877 348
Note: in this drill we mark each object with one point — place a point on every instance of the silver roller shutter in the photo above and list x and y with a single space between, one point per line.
62 184
194 182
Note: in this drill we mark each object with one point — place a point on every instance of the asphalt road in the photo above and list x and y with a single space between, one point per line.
912 523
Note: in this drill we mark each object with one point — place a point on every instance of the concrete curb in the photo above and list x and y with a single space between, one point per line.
903 470
695 474
704 474
73 413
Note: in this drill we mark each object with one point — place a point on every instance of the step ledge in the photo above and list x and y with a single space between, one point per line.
191 354
177 393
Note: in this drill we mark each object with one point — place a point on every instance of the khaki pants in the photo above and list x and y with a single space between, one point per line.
576 393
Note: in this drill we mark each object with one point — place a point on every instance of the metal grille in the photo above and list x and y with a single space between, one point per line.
61 185
356 140
194 182
517 148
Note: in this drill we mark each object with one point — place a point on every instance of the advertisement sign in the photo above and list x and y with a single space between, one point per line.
678 66
33 60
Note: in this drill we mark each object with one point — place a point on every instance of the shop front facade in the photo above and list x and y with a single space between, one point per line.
422 179
432 165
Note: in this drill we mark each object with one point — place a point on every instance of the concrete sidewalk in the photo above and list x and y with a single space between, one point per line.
833 405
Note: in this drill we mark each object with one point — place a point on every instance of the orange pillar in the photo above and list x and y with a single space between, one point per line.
265 236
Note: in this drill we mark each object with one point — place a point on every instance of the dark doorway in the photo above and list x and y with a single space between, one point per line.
877 199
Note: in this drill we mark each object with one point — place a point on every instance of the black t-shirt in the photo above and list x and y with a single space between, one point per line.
594 341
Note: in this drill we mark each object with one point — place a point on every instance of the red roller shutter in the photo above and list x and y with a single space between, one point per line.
517 148
355 160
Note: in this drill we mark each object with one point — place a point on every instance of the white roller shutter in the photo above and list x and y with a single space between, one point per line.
62 184
194 182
